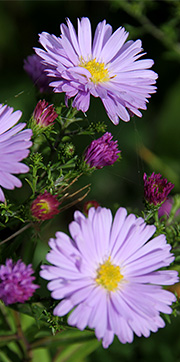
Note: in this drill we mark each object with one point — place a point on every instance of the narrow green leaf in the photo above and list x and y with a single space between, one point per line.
63 338
41 354
9 355
76 352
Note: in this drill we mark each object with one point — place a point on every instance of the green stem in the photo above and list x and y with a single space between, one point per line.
148 216
156 218
47 340
26 347
34 182
9 338
150 27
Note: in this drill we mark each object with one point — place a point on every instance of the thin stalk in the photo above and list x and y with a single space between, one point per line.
151 28
26 347
74 202
16 233
9 338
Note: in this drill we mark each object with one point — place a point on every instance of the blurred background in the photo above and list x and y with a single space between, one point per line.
148 144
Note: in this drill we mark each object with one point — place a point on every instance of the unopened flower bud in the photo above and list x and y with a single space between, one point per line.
45 206
102 152
156 188
36 71
44 114
89 204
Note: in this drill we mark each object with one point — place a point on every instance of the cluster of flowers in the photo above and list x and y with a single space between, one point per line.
107 272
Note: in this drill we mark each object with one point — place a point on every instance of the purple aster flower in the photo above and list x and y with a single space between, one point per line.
44 114
108 273
14 145
102 152
36 71
16 282
107 68
156 188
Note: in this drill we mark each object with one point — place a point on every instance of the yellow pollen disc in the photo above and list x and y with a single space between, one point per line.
98 71
43 206
108 275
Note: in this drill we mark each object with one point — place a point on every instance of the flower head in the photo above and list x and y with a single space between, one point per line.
102 152
156 188
36 71
16 282
14 145
107 273
44 114
45 206
109 68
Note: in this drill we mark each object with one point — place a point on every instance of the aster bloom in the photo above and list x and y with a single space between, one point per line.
36 71
156 188
16 282
107 68
107 273
14 145
44 114
102 152
45 206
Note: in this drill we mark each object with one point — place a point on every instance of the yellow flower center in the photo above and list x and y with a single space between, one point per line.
98 71
44 206
108 275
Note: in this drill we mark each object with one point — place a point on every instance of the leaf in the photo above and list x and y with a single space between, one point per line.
41 354
3 357
24 308
30 183
65 337
167 318
177 259
6 338
76 352
8 355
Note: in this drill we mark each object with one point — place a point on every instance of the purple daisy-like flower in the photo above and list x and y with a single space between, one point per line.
107 68
108 274
156 188
44 114
102 152
16 282
36 71
14 145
